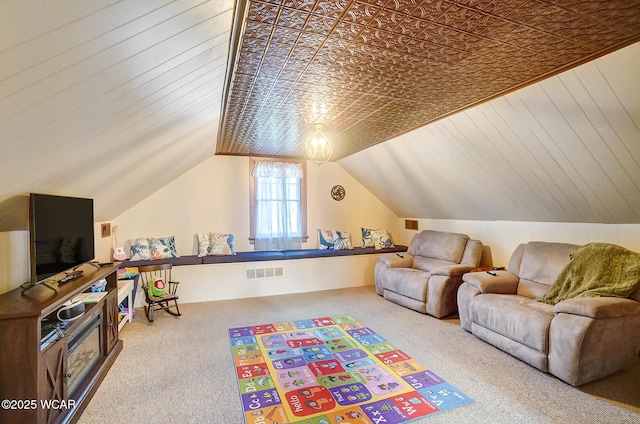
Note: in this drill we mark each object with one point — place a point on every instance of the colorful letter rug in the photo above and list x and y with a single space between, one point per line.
332 370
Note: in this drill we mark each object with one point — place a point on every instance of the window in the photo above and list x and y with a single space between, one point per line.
278 204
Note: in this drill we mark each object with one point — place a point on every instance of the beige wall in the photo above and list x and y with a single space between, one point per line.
14 259
214 196
504 236
200 283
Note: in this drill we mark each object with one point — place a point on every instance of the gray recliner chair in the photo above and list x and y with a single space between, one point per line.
578 340
426 278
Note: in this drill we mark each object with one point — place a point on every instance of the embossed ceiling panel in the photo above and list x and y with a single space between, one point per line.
374 69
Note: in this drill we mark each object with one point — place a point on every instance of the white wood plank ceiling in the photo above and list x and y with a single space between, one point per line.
108 99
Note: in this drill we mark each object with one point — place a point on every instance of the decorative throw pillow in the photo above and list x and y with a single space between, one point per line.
222 244
367 240
204 244
341 240
163 248
140 249
325 239
381 239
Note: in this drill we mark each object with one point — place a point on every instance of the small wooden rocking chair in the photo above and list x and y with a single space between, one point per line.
147 273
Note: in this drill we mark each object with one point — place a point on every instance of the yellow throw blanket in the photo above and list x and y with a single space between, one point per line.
596 270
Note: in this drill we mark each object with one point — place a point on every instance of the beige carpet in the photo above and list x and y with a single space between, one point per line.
180 369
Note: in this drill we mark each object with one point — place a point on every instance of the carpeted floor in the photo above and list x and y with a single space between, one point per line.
180 369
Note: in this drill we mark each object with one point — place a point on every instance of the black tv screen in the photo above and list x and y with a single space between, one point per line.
61 233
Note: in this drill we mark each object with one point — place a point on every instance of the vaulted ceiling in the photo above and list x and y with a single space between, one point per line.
114 99
371 70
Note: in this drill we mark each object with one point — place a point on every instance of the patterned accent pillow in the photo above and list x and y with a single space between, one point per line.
163 248
367 240
204 244
381 239
222 244
325 239
140 249
341 240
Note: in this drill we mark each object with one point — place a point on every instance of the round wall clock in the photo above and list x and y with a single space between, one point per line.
337 192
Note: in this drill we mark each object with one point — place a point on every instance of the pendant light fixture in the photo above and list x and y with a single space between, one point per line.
318 145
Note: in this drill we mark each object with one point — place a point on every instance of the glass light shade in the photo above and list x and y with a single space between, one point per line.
318 146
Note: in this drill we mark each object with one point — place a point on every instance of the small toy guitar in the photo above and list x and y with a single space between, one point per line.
119 254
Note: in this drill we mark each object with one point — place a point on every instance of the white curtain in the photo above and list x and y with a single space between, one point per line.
277 216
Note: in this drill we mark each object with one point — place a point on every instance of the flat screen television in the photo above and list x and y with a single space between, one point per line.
61 234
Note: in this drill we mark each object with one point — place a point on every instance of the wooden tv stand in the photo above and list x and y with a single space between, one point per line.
34 376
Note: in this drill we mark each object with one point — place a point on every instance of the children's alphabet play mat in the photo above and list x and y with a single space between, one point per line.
332 370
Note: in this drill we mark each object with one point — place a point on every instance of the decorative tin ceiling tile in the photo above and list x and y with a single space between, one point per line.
374 69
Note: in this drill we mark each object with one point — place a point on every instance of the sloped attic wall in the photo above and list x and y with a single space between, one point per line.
566 149
108 99
214 196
